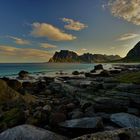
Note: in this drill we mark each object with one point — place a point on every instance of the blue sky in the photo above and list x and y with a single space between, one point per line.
32 30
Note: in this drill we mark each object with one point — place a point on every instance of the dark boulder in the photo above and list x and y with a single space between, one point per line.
29 132
98 67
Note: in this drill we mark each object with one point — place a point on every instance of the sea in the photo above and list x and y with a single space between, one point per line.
12 69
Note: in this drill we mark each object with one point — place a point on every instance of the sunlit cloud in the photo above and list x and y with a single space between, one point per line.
51 32
128 10
19 41
47 45
128 36
73 25
24 52
83 49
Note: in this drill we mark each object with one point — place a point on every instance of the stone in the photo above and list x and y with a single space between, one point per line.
76 114
98 67
12 118
83 123
14 84
126 120
134 111
56 118
75 73
128 87
115 71
29 132
47 108
27 85
119 134
23 74
104 73
110 105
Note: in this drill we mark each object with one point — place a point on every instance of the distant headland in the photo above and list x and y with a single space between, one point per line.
66 56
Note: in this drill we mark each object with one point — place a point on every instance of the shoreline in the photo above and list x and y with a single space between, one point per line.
73 105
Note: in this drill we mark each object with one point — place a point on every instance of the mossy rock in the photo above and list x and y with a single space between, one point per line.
9 96
131 77
12 118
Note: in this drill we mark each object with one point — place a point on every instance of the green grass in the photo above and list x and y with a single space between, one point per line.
131 77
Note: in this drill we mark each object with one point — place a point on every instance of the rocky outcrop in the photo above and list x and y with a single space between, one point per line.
28 132
120 134
72 57
134 54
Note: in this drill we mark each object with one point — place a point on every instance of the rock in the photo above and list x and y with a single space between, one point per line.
120 134
23 74
115 71
12 118
9 97
47 108
83 123
134 111
75 73
106 104
48 79
98 67
76 114
128 87
7 94
89 112
104 73
109 85
56 118
125 120
14 84
27 85
28 132
70 106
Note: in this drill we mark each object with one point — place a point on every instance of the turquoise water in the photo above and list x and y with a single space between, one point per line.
13 69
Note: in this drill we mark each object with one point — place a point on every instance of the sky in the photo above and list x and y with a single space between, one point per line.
32 30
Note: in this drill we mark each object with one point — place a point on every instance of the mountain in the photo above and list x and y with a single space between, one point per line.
134 54
66 56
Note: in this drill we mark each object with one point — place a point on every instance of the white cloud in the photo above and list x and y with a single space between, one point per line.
83 49
128 10
128 36
51 32
23 52
73 25
47 45
20 41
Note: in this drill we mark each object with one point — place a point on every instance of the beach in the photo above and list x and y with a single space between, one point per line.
72 103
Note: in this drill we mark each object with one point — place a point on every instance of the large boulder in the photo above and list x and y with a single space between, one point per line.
9 96
24 75
120 134
15 84
28 132
125 120
110 105
98 67
83 123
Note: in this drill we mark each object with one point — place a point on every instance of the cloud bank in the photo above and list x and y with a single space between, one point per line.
23 52
51 32
73 25
128 10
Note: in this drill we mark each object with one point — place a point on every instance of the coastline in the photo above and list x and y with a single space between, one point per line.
66 104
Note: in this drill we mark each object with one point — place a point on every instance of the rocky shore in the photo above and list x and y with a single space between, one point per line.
96 105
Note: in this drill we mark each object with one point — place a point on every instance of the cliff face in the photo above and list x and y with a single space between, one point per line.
72 57
134 54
